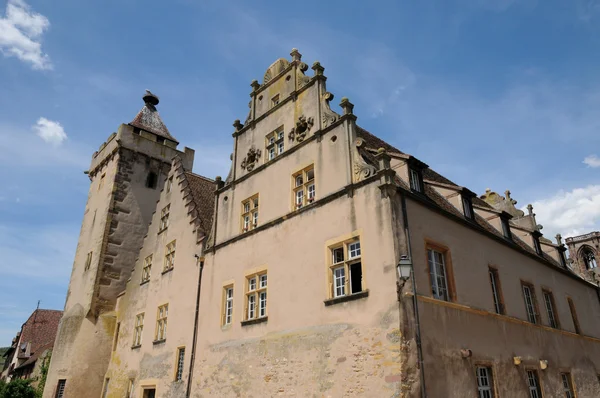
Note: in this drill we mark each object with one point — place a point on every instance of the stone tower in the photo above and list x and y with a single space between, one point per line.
127 174
584 254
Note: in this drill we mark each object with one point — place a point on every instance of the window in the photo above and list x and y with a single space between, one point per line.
574 315
530 302
496 291
346 269
169 184
130 389
151 180
438 272
550 308
275 100
275 143
105 390
416 183
164 218
534 384
147 269
227 305
589 259
304 187
250 213
256 296
537 246
467 207
116 339
180 359
161 323
505 228
101 183
169 257
485 382
137 330
60 388
88 261
567 383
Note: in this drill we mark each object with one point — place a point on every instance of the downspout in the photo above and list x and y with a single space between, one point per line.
414 299
195 334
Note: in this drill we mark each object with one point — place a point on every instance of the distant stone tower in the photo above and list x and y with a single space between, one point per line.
127 174
584 254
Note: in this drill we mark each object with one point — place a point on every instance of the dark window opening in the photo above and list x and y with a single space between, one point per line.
574 316
416 180
160 140
537 245
149 393
589 259
116 340
151 180
506 229
60 388
355 278
468 207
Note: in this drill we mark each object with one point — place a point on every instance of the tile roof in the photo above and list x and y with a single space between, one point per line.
149 119
39 330
203 194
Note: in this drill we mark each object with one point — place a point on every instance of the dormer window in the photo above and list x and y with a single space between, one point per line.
467 207
416 180
505 228
275 144
536 244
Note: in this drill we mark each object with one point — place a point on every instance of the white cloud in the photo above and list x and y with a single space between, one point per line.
20 33
50 131
569 213
592 161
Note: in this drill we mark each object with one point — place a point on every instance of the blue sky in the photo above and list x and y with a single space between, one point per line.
502 94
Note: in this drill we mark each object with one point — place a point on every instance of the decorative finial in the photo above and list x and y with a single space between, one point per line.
254 84
347 106
530 209
296 56
150 98
318 68
488 190
559 239
238 125
507 194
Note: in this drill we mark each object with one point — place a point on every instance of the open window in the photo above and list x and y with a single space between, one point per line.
151 180
345 267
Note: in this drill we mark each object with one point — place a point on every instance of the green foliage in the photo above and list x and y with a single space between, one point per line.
18 389
2 388
43 375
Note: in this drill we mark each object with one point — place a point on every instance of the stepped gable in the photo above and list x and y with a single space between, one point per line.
148 118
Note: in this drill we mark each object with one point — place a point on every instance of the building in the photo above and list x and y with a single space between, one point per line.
583 252
31 349
328 263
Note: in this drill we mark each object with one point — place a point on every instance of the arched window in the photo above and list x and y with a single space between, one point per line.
589 259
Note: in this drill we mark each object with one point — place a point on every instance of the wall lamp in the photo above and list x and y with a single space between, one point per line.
404 268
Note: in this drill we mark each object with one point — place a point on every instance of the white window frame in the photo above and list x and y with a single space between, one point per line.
228 293
164 217
340 274
567 383
485 381
439 274
529 298
304 188
180 363
162 314
169 262
256 296
138 329
250 211
415 180
550 308
498 304
147 269
533 382
274 143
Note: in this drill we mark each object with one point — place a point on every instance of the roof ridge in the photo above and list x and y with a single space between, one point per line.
199 176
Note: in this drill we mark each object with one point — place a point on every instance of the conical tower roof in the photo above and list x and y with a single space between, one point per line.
149 120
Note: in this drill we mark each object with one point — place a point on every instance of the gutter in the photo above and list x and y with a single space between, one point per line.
414 299
195 334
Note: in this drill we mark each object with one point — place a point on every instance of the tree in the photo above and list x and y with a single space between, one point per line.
18 388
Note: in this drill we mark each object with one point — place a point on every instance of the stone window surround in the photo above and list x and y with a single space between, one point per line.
224 301
534 302
256 292
498 295
179 363
303 187
490 366
162 315
138 330
147 269
445 250
547 292
249 213
169 259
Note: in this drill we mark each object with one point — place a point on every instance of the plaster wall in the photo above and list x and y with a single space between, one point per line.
305 348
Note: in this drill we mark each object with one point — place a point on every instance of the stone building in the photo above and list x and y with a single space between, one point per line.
327 264
584 251
31 349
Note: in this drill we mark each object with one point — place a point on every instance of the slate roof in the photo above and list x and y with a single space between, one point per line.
203 194
39 330
149 119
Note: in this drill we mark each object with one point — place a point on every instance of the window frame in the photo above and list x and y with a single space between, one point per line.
179 363
275 100
491 380
537 245
252 213
116 337
105 387
138 329
551 312
534 303
496 286
160 331
449 269
415 179
227 312
569 389
273 141
60 393
574 316
255 293
304 187
589 258
505 223
539 393
467 203
169 258
164 218
345 264
130 388
147 269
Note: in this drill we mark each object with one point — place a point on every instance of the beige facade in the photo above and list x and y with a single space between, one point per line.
288 277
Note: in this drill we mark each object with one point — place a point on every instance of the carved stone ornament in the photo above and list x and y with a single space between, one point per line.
303 126
327 115
362 169
301 77
251 158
